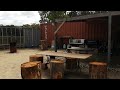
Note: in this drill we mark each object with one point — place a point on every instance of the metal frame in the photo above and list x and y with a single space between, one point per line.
7 35
32 36
20 36
24 37
2 34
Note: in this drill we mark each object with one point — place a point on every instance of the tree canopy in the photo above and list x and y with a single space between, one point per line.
33 25
50 16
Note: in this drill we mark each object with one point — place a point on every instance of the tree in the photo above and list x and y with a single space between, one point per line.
51 16
43 15
33 25
26 25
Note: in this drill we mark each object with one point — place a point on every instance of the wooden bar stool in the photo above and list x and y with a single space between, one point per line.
98 70
56 69
36 58
31 70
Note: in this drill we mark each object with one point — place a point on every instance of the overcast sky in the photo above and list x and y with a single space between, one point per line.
19 17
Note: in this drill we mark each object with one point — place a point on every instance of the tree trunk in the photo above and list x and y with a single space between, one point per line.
31 70
98 70
56 69
36 58
71 63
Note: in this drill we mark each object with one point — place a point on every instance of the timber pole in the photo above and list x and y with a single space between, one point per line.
55 34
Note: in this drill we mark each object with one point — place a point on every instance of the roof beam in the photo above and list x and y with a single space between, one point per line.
59 27
106 14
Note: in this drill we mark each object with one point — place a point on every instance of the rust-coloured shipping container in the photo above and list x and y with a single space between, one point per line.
78 30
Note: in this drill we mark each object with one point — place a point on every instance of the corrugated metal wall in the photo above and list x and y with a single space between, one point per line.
25 37
31 37
78 30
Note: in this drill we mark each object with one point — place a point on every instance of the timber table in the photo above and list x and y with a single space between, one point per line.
66 55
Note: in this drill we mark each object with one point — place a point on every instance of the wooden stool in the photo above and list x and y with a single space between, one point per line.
36 58
43 45
71 63
31 70
56 69
13 48
98 70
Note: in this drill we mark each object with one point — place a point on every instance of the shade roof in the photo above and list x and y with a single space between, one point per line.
83 17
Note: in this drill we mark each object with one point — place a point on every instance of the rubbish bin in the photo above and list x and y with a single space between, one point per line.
13 48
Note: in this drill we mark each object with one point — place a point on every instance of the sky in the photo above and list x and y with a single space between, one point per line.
18 18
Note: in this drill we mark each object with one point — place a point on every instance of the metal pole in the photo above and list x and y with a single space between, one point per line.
24 36
2 35
11 35
7 36
15 37
15 34
20 36
32 37
109 37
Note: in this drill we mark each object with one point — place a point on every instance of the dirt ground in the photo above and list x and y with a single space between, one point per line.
10 62
10 65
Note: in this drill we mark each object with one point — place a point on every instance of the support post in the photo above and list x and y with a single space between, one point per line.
109 37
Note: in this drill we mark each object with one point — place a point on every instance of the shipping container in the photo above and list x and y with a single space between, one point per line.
78 30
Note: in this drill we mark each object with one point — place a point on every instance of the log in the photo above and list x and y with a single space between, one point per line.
36 58
71 63
98 70
31 70
13 48
56 69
